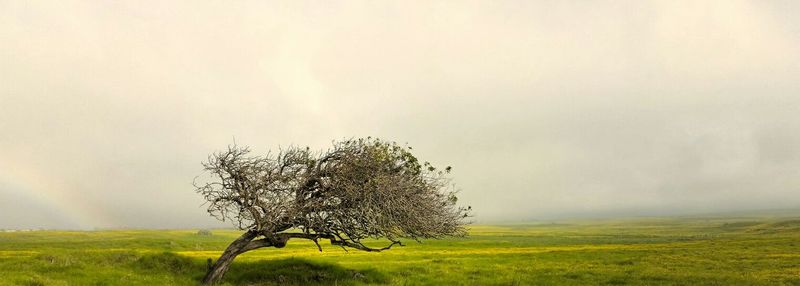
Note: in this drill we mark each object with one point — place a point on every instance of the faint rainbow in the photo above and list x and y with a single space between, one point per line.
41 190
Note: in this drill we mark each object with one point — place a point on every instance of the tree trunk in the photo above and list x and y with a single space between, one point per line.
218 269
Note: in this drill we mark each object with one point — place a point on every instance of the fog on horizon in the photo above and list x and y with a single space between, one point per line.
544 109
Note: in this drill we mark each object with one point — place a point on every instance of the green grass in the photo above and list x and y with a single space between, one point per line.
653 251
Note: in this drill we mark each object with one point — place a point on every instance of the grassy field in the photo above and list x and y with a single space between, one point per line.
747 250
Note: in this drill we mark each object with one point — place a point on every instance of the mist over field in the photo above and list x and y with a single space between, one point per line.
545 110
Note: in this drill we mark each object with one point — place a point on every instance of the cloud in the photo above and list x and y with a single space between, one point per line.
544 109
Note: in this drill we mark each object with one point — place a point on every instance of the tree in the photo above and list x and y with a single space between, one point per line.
356 190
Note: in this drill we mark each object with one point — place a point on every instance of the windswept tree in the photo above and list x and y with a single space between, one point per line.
358 189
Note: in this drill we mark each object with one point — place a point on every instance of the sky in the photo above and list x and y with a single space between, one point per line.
545 109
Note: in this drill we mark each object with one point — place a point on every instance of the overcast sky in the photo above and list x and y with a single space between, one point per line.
544 109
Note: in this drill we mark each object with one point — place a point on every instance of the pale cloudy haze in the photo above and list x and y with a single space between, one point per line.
544 109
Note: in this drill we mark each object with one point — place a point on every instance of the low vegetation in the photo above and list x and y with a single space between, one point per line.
654 251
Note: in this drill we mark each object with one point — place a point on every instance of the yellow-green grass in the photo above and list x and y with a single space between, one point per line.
652 251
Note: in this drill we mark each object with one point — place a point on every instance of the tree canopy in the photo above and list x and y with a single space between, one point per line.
357 189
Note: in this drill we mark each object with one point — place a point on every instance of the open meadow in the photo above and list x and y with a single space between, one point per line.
745 250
